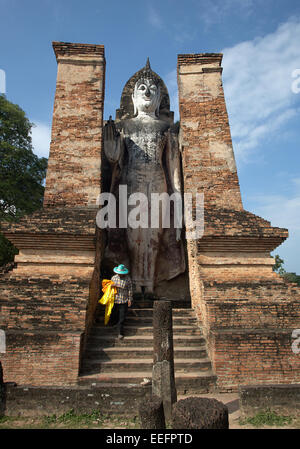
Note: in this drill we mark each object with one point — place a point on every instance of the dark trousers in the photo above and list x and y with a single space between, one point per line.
120 313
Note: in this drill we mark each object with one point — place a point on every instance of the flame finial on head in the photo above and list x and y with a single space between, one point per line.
147 73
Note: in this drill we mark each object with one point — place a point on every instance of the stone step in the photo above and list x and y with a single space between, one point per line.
110 340
143 304
177 320
186 383
147 316
111 353
145 330
121 366
148 311
112 362
147 322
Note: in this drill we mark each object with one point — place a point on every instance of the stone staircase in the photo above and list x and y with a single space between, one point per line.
107 360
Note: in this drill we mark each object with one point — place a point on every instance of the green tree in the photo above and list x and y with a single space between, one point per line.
278 268
21 172
292 277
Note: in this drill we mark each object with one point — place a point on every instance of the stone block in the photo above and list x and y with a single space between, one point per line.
151 414
280 398
199 413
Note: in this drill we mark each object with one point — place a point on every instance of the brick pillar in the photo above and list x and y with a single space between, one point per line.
208 159
247 311
55 287
73 176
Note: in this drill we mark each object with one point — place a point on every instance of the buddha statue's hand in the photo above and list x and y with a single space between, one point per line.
112 141
178 234
178 218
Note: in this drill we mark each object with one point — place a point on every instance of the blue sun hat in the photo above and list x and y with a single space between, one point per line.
121 269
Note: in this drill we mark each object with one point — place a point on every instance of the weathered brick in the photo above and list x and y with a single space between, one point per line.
247 311
74 166
48 301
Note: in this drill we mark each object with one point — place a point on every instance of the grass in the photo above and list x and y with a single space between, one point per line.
268 418
70 420
98 420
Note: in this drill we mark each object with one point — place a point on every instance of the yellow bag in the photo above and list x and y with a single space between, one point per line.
108 298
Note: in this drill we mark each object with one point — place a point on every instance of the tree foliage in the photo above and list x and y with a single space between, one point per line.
21 171
278 268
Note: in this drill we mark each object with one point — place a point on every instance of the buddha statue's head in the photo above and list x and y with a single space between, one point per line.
146 95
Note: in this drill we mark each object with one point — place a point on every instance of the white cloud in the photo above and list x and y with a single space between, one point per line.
284 211
41 136
215 11
257 83
260 101
2 81
154 18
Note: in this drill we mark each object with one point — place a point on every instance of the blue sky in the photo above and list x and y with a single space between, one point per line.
260 40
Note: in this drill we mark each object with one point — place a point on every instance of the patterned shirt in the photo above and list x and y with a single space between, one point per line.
124 288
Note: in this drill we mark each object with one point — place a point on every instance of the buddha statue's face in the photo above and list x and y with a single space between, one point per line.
146 97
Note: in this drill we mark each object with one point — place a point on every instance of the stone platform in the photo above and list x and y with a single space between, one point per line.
48 300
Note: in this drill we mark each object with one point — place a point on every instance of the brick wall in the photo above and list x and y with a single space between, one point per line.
52 292
43 303
44 321
42 357
246 310
254 356
249 328
283 399
48 301
55 241
34 401
208 159
248 323
73 176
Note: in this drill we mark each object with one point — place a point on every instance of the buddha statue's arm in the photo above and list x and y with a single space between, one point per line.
173 166
173 161
113 142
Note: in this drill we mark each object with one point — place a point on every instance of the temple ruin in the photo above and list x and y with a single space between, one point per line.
244 312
